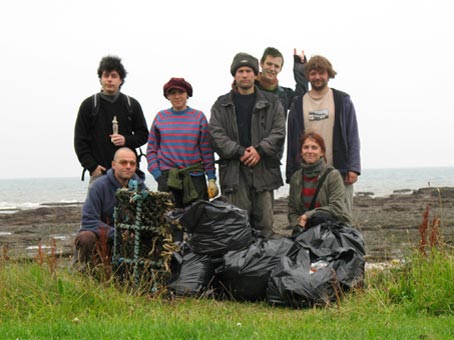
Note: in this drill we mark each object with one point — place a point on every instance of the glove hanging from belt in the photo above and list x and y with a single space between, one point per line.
185 183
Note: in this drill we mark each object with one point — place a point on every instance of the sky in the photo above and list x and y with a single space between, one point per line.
394 58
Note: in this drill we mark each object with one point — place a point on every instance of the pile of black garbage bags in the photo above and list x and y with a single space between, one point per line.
225 257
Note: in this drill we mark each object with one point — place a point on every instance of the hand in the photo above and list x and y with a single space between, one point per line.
303 220
118 140
251 157
301 56
98 171
351 177
213 190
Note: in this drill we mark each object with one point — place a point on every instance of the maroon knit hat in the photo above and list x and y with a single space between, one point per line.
178 83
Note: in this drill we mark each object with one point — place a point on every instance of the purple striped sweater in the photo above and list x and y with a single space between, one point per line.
179 139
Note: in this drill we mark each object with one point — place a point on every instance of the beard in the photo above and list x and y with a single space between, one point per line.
319 85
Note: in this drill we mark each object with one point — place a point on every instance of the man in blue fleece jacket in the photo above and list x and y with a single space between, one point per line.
97 226
331 114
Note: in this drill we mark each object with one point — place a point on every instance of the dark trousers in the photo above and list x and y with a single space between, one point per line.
258 204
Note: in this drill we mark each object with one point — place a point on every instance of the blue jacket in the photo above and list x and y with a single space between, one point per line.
346 146
98 209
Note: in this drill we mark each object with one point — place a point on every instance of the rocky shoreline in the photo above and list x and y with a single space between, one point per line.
389 224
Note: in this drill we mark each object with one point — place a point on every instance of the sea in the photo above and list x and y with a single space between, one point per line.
31 193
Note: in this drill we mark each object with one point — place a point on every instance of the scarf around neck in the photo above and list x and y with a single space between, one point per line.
267 84
110 98
315 169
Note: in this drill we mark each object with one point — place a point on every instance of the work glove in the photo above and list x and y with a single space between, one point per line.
213 190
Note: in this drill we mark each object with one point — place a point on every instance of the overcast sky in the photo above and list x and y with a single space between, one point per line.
395 59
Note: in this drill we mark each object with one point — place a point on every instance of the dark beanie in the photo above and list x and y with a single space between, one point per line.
178 83
244 59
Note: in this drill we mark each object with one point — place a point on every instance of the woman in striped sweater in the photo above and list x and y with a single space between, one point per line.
179 154
306 207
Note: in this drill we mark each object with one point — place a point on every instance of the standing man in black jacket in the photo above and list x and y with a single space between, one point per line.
247 131
108 121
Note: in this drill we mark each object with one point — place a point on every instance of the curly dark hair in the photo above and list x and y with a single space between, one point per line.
274 52
321 64
112 63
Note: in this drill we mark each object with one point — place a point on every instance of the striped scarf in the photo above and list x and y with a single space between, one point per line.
311 176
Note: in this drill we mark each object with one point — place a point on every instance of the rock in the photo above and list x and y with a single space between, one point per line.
403 191
364 194
389 224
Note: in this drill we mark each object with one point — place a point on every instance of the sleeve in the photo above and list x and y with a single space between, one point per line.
82 136
206 150
139 127
354 158
152 149
293 202
92 211
295 129
222 144
299 73
272 145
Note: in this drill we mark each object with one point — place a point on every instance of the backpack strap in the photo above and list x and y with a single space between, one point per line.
96 105
128 105
141 154
319 185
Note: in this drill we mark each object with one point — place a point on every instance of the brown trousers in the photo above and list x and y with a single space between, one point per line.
90 250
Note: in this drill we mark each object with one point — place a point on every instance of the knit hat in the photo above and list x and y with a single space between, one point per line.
244 59
177 83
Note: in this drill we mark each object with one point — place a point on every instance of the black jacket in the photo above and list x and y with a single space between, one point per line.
92 131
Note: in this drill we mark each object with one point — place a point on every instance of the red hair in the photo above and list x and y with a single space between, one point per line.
317 138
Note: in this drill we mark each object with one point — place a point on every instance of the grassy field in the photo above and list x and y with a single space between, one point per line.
411 301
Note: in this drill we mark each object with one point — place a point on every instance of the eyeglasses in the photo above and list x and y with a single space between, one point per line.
124 162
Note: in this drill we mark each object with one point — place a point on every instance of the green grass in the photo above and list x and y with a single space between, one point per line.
414 301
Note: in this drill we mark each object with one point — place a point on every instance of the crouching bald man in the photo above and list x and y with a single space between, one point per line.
97 226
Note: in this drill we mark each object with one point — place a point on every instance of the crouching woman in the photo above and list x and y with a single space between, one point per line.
316 190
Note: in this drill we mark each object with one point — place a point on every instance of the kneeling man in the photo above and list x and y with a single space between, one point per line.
97 226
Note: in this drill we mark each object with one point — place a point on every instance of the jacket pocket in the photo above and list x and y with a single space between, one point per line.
228 175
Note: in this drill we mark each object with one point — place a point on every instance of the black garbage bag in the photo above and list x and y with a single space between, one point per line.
325 261
193 275
244 273
216 227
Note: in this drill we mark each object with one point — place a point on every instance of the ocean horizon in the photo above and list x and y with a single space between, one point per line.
30 193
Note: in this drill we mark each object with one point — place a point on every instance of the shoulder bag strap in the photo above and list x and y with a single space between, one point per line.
319 185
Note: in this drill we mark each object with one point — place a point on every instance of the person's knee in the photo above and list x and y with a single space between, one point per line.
85 239
264 214
85 244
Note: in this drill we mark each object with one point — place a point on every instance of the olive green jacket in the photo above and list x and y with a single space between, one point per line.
331 197
267 136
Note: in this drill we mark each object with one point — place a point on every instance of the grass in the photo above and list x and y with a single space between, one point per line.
414 300
38 301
